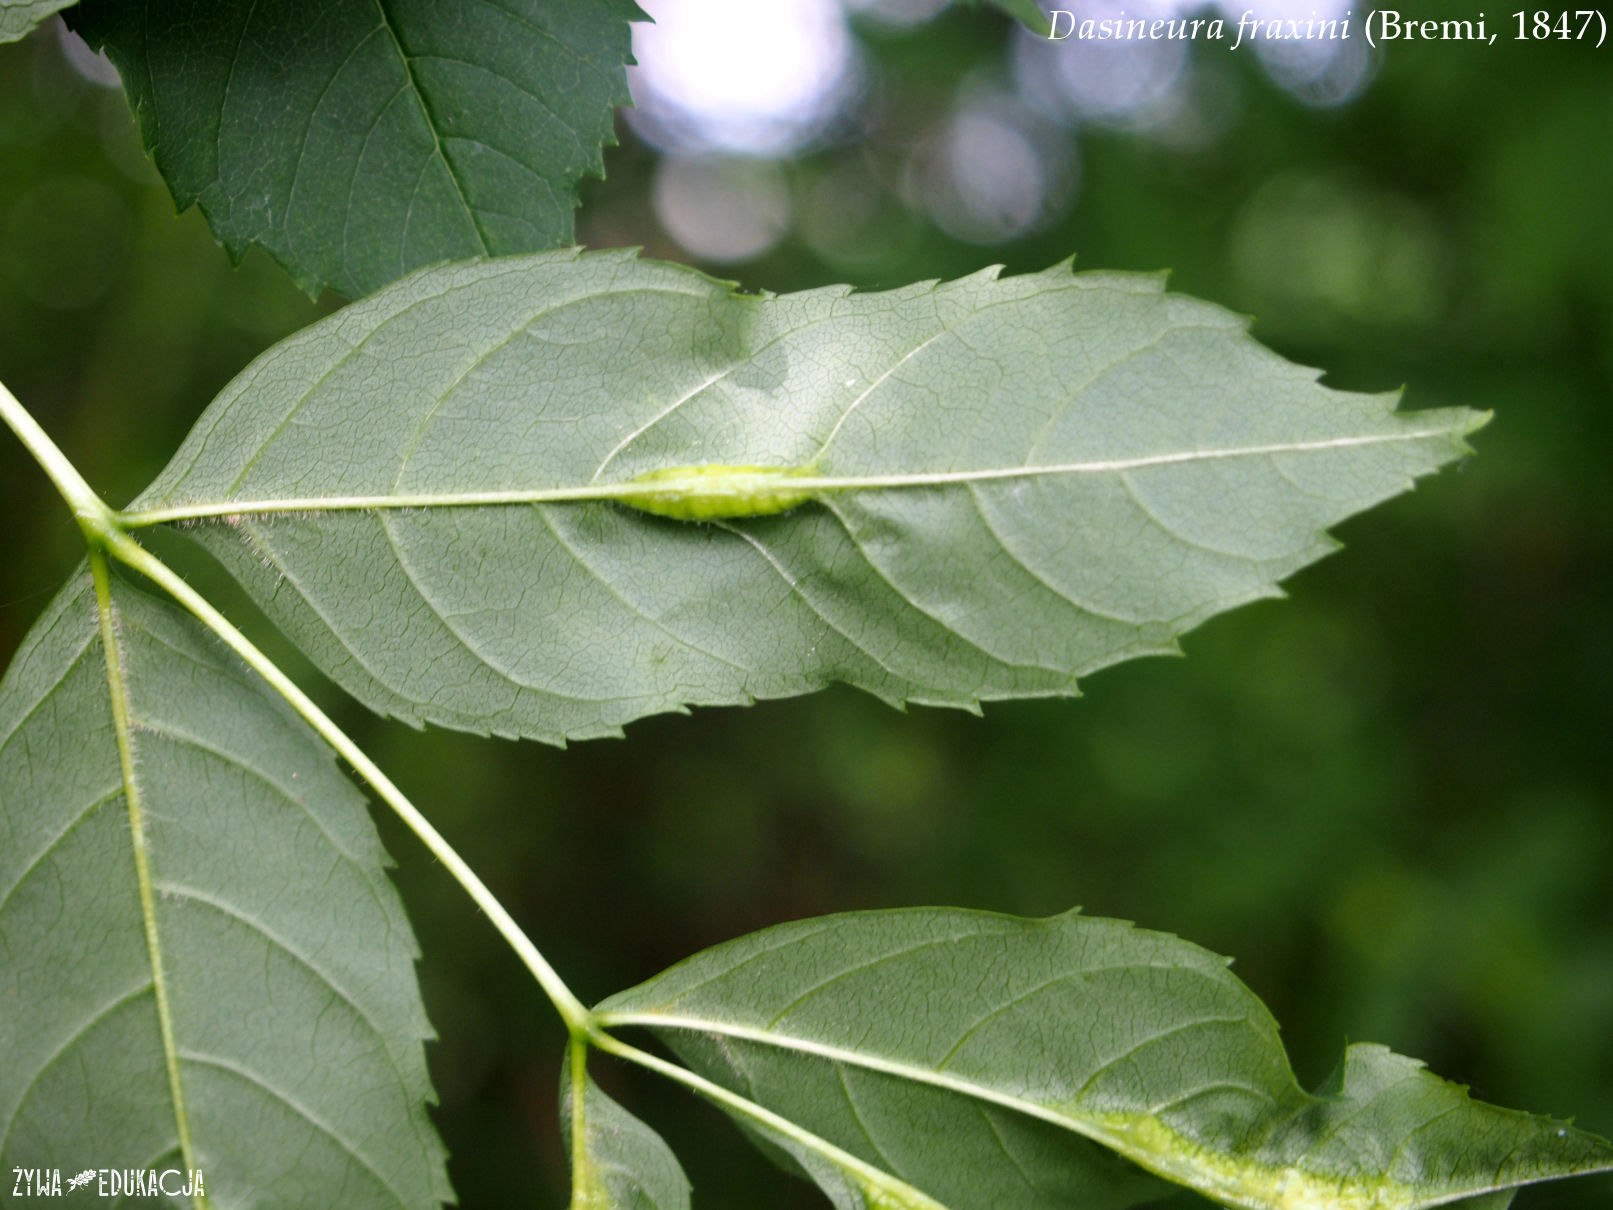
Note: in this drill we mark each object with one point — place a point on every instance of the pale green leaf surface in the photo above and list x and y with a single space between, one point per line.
862 1026
1016 482
623 1164
286 960
356 140
19 18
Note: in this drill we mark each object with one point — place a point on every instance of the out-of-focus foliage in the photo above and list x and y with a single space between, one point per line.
1391 796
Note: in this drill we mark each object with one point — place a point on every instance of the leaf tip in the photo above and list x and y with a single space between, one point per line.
1475 421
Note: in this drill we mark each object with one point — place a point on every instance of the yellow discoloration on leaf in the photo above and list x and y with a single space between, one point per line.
1243 1182
887 1193
715 492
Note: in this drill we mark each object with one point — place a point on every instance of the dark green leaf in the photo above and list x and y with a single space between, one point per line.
359 139
1028 11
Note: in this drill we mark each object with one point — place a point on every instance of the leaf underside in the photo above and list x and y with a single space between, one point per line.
622 1163
294 1056
1089 467
966 1052
953 1152
356 140
19 18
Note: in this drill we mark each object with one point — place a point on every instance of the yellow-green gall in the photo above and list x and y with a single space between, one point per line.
716 492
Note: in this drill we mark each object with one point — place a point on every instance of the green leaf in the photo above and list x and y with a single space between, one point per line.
1008 484
18 18
862 1026
356 140
617 1162
204 963
848 1182
1028 11
959 1151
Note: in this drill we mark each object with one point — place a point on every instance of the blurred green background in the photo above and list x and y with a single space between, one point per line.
1390 796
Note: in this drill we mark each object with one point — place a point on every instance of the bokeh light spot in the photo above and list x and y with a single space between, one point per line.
1115 83
92 65
993 172
739 76
721 209
897 14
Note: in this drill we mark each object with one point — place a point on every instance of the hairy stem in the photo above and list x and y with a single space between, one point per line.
577 1056
90 511
132 554
104 530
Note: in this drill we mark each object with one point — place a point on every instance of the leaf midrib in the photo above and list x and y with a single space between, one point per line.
885 1066
118 694
419 92
816 484
1108 1130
